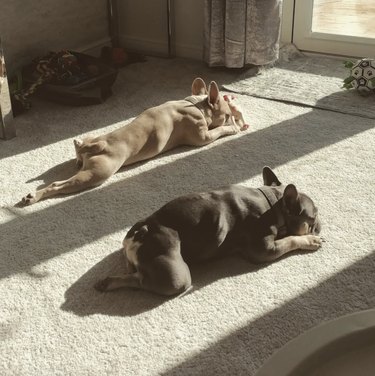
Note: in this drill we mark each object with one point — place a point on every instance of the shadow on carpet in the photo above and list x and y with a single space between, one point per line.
83 300
274 329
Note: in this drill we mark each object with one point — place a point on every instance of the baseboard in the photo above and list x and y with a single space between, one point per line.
94 48
189 51
160 48
145 46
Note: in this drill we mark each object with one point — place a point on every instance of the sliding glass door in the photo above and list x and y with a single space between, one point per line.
341 27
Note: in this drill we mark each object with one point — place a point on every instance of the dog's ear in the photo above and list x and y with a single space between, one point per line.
291 199
213 94
198 87
269 177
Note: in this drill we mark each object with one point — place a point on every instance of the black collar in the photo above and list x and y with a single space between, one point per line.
196 101
273 200
269 195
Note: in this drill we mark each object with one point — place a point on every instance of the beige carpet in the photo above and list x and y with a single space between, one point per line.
52 322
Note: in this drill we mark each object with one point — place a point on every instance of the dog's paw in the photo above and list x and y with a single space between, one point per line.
28 199
102 285
235 128
310 242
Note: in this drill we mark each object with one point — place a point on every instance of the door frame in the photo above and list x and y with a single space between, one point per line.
297 29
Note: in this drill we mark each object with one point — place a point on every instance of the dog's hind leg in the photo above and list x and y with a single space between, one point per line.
155 252
79 182
165 276
162 284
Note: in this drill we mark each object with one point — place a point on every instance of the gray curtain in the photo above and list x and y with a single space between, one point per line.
241 32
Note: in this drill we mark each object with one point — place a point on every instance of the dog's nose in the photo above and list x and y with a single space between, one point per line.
317 228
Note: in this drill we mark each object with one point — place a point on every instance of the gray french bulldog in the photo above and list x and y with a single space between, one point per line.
261 224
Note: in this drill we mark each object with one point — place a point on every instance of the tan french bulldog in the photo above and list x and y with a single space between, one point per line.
196 120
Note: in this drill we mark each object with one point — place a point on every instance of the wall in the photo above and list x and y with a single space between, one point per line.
30 28
143 26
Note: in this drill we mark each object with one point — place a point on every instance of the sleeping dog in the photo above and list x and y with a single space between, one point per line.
261 224
196 120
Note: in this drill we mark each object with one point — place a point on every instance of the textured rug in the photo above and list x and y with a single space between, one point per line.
52 321
308 80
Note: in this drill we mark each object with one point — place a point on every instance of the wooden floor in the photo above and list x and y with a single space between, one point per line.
345 17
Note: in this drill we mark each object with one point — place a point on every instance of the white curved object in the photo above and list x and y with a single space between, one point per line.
342 347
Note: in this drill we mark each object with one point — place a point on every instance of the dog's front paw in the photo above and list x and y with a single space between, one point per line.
310 242
28 199
103 284
235 129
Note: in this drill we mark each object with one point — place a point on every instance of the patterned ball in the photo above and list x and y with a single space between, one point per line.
363 73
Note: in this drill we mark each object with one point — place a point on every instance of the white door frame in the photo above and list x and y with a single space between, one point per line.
297 28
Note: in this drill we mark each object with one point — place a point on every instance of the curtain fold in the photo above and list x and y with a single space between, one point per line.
241 32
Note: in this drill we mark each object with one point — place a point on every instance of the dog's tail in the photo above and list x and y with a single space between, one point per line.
139 229
90 147
93 147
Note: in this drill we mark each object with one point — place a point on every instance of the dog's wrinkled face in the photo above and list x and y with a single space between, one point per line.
301 214
219 110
